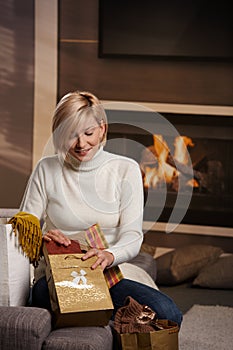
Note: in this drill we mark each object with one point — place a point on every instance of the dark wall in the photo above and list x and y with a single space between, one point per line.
16 98
132 79
149 80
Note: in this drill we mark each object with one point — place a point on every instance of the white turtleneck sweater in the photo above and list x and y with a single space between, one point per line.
107 190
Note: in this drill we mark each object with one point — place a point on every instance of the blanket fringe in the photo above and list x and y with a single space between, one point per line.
27 227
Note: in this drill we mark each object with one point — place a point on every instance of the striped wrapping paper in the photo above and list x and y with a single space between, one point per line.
95 239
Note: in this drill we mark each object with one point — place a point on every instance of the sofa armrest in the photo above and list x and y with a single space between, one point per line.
23 327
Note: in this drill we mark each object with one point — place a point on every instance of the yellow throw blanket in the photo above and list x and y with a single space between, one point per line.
27 226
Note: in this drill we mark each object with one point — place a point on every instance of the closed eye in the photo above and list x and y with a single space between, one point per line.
89 132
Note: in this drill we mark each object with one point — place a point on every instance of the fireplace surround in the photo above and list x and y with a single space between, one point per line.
132 132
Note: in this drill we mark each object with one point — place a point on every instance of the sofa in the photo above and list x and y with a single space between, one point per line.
30 328
187 274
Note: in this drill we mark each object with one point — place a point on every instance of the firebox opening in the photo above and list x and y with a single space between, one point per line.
201 156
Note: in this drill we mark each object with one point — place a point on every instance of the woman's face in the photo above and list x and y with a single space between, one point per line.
85 141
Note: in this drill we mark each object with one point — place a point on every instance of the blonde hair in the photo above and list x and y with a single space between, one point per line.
70 110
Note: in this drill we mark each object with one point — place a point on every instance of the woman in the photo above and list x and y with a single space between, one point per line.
81 185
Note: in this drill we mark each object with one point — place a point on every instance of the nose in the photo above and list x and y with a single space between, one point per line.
81 141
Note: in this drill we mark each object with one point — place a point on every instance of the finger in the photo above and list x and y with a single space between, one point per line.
96 264
102 260
104 264
46 238
56 234
90 253
58 237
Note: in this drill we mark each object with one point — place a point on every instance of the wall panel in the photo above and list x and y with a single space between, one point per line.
16 98
132 79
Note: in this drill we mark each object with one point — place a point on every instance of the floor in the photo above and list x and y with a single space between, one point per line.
185 296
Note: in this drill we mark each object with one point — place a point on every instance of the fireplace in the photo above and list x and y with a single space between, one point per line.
204 173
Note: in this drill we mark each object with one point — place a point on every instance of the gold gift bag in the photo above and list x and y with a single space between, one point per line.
79 295
164 339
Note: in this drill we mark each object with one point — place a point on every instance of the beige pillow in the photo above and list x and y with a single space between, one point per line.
14 269
217 275
184 263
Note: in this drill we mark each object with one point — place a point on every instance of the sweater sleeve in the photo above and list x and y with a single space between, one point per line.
130 235
35 199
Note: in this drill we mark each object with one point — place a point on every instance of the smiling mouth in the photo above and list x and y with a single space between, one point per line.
82 151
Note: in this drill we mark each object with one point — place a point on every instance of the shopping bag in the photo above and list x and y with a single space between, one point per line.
14 268
79 295
137 327
164 339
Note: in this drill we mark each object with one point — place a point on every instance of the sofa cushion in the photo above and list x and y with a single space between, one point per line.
23 327
185 263
79 338
217 275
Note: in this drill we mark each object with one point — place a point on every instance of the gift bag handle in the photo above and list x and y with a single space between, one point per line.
71 256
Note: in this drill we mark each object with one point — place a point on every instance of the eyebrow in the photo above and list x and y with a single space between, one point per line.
90 128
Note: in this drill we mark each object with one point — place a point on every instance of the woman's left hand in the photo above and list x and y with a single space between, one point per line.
104 258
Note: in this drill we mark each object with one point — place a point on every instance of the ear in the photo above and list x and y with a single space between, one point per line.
102 129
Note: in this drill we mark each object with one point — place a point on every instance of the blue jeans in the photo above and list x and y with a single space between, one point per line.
163 305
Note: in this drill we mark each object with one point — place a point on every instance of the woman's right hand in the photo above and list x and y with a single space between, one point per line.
57 236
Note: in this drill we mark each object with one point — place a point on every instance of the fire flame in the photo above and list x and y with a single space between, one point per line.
181 152
156 167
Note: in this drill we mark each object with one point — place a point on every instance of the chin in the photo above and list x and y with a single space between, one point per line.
84 158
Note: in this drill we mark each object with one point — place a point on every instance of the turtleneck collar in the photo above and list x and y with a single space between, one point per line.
89 165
